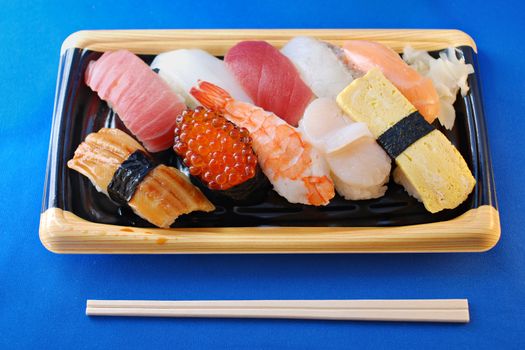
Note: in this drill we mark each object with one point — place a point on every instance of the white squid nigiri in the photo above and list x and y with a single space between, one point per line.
319 65
181 69
359 167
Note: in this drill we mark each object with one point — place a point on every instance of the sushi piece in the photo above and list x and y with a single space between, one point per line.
319 64
119 167
181 69
429 167
270 79
448 74
365 55
296 170
218 153
359 167
145 103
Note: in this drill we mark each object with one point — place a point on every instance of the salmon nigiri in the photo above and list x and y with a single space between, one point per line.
296 170
364 55
144 101
270 79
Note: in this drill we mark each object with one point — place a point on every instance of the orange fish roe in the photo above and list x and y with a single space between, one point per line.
214 149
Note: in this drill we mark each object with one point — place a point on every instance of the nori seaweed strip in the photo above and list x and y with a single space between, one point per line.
251 191
404 133
128 176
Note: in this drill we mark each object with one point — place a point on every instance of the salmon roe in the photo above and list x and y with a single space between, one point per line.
214 149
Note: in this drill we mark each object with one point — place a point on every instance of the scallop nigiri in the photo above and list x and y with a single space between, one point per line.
365 55
359 167
119 167
181 69
319 64
270 79
145 103
296 170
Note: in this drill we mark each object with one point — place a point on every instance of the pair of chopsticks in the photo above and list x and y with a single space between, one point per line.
422 310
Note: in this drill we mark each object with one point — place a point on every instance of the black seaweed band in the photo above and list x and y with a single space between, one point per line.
128 176
404 133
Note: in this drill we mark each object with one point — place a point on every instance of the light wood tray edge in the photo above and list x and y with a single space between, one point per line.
475 231
218 41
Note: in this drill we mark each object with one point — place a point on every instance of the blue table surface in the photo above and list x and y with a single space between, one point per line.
43 295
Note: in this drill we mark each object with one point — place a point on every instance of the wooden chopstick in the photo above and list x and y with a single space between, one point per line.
422 310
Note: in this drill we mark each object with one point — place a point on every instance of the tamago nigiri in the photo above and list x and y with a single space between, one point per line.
296 170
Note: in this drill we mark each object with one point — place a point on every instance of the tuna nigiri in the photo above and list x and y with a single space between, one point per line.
145 103
359 167
296 170
365 55
270 79
319 64
119 167
181 69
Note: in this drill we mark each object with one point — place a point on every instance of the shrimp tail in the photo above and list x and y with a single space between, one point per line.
320 189
211 96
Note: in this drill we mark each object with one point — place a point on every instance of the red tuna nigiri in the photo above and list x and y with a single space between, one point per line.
270 79
365 55
145 103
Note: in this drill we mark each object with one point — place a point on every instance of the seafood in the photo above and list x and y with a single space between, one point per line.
296 170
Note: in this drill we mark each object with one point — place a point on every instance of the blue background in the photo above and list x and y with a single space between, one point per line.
42 295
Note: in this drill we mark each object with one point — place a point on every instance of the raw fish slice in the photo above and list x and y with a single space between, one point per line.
182 69
319 66
359 167
365 55
270 79
138 95
162 196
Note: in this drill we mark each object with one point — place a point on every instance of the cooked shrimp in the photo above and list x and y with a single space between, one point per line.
295 169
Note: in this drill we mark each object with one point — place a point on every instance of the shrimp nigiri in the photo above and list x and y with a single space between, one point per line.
296 170
364 55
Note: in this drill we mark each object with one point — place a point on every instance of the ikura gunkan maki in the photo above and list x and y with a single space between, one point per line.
218 153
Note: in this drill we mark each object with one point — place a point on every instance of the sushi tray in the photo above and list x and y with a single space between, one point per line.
268 141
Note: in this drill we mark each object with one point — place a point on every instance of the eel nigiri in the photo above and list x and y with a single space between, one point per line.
144 101
428 165
296 170
365 55
181 69
359 166
119 167
319 64
270 79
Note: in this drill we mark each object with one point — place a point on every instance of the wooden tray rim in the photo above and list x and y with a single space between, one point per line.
63 232
475 231
154 41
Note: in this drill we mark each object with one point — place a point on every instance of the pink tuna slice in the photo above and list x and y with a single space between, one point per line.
145 103
270 79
